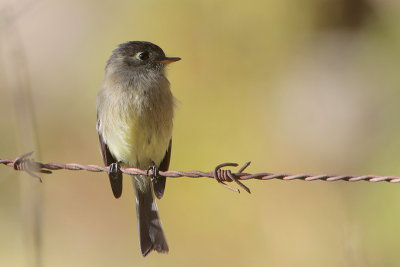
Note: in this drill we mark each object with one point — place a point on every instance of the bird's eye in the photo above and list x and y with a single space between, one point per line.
142 55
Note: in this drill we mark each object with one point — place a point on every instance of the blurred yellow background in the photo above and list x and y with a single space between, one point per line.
308 87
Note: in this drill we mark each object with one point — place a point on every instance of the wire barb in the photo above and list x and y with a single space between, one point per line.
27 164
24 163
227 176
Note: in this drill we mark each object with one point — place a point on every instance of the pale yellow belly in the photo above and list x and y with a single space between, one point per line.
140 140
136 130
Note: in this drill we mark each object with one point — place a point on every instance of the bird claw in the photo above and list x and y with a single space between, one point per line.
114 170
154 172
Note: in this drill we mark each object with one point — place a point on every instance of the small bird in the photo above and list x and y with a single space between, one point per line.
135 109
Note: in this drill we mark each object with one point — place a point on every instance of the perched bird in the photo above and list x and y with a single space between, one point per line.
135 109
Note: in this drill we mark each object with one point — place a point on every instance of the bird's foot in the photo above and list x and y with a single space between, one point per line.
114 170
154 173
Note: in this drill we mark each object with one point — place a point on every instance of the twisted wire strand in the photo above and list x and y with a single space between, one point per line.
27 164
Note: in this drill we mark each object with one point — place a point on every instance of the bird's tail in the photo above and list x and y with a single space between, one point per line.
151 235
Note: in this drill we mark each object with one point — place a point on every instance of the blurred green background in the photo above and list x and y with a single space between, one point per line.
308 87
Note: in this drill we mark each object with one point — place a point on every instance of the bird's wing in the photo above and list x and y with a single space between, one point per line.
159 183
115 177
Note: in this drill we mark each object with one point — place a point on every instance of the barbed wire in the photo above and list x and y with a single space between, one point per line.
29 165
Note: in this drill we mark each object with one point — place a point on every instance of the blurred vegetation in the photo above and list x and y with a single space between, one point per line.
308 87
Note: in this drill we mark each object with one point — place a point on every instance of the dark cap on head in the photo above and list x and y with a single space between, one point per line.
140 54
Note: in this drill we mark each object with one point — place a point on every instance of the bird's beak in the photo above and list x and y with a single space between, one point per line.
168 60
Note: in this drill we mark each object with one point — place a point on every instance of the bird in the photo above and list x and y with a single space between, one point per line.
135 110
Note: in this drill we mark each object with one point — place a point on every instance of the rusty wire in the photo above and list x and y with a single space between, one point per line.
27 164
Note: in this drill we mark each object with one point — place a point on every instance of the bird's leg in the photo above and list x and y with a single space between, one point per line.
154 170
114 169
